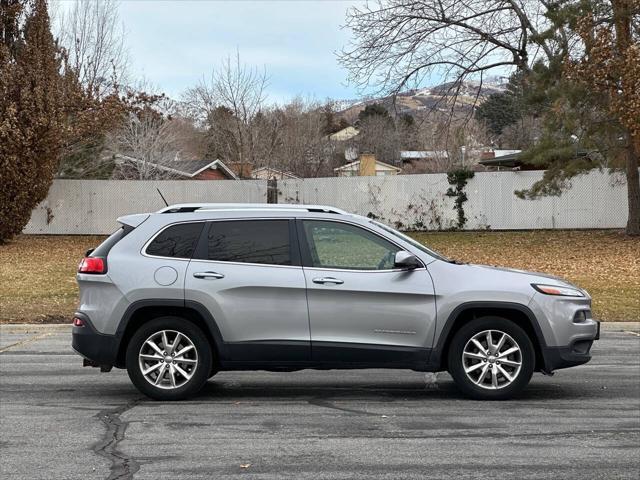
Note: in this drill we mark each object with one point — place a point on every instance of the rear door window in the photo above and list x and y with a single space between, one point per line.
176 241
264 242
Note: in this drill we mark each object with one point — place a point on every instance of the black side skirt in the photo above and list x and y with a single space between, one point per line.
291 355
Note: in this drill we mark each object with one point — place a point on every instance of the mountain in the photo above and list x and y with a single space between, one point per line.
438 98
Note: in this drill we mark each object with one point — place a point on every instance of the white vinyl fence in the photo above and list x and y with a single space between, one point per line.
596 200
92 206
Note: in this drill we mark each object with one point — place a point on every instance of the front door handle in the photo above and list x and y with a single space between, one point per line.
208 275
324 280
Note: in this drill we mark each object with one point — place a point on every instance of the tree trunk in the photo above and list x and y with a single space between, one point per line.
633 187
622 23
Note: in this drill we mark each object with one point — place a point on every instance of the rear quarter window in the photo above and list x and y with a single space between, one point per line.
176 241
103 249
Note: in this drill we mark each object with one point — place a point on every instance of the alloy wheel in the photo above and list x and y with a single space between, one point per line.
168 359
492 359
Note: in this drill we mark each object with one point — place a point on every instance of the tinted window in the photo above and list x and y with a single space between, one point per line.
340 245
177 241
104 248
250 241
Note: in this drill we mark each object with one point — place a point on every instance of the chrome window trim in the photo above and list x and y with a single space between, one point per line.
222 262
398 270
357 225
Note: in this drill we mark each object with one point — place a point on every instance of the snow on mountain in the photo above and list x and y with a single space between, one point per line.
436 98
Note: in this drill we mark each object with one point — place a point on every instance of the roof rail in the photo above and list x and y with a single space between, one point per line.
192 207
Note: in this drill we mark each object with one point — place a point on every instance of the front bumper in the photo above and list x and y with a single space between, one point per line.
576 353
99 349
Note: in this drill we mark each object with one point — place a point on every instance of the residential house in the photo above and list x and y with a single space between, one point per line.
410 156
181 169
345 134
366 165
270 173
241 169
505 160
514 161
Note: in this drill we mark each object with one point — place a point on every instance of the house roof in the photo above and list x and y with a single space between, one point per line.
275 171
502 153
355 165
514 160
344 134
187 168
423 154
511 160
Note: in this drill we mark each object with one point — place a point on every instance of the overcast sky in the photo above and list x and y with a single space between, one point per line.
172 44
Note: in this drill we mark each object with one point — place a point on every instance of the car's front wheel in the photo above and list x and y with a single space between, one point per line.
169 358
491 358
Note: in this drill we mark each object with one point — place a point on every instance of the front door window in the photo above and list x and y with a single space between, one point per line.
336 245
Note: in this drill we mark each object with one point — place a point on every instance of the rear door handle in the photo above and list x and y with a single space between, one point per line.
324 280
208 275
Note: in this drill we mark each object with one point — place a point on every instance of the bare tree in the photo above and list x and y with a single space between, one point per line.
237 90
93 36
378 135
145 147
399 43
297 141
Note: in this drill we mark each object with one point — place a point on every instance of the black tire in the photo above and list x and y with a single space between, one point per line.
199 375
457 367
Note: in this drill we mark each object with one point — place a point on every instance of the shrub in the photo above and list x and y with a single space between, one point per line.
32 121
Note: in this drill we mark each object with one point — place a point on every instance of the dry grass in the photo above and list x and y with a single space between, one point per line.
37 277
37 273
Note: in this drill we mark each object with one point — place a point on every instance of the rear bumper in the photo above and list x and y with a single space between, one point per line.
576 353
99 349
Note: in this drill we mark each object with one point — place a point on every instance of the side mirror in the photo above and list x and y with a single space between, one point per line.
406 260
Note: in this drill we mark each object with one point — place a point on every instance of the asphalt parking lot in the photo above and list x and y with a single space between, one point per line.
59 420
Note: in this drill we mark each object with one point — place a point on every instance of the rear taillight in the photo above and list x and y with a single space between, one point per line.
78 322
92 265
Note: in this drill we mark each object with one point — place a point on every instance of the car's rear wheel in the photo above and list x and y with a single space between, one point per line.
491 358
169 358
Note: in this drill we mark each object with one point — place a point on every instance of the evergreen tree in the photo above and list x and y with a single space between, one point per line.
590 100
32 111
503 109
374 110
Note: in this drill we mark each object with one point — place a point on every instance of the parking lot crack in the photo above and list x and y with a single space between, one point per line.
25 341
122 466
323 402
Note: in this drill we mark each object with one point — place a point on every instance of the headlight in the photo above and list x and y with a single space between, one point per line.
555 290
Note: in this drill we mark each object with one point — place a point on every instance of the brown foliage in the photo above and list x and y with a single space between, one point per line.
45 111
610 68
32 112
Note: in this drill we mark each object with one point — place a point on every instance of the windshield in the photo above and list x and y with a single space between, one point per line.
410 240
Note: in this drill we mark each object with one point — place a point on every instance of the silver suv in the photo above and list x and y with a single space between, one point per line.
178 295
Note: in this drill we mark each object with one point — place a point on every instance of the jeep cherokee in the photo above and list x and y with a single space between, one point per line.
181 294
